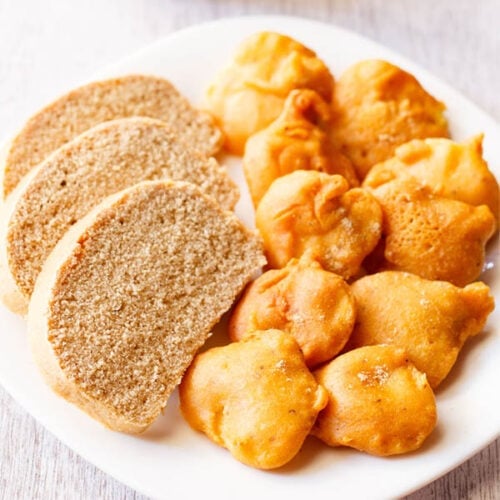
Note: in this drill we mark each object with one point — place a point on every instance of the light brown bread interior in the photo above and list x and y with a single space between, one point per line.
94 103
62 189
130 294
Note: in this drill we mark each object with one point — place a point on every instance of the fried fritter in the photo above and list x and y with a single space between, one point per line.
316 214
378 106
434 237
379 402
299 139
450 169
255 397
249 93
313 305
431 320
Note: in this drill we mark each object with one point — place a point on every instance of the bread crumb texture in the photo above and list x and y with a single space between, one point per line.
97 102
141 291
100 162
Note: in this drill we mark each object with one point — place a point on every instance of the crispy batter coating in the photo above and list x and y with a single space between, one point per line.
302 299
434 237
431 320
255 397
450 169
378 106
299 139
309 212
249 93
379 402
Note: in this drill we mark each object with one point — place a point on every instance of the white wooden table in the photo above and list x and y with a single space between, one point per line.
47 46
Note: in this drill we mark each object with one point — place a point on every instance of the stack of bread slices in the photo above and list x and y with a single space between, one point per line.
118 242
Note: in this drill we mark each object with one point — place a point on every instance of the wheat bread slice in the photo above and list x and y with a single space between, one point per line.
129 295
97 102
63 188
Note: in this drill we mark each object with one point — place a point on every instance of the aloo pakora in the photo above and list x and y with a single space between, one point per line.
299 139
313 305
450 169
431 320
255 397
434 237
379 402
249 93
315 214
379 106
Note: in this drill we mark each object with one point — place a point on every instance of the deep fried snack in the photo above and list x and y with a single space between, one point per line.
379 402
450 169
299 139
378 106
255 397
431 320
302 299
249 94
434 237
309 212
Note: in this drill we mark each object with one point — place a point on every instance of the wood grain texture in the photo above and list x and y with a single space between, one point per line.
47 47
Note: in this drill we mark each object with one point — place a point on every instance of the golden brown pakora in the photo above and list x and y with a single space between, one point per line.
450 169
313 305
379 106
249 93
299 139
255 397
379 402
315 214
431 320
434 237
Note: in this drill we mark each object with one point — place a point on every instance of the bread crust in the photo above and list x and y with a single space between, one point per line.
10 296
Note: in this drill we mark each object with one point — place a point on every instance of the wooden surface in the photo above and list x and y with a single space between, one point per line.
47 46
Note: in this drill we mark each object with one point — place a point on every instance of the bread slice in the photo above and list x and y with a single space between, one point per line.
94 103
63 188
130 294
